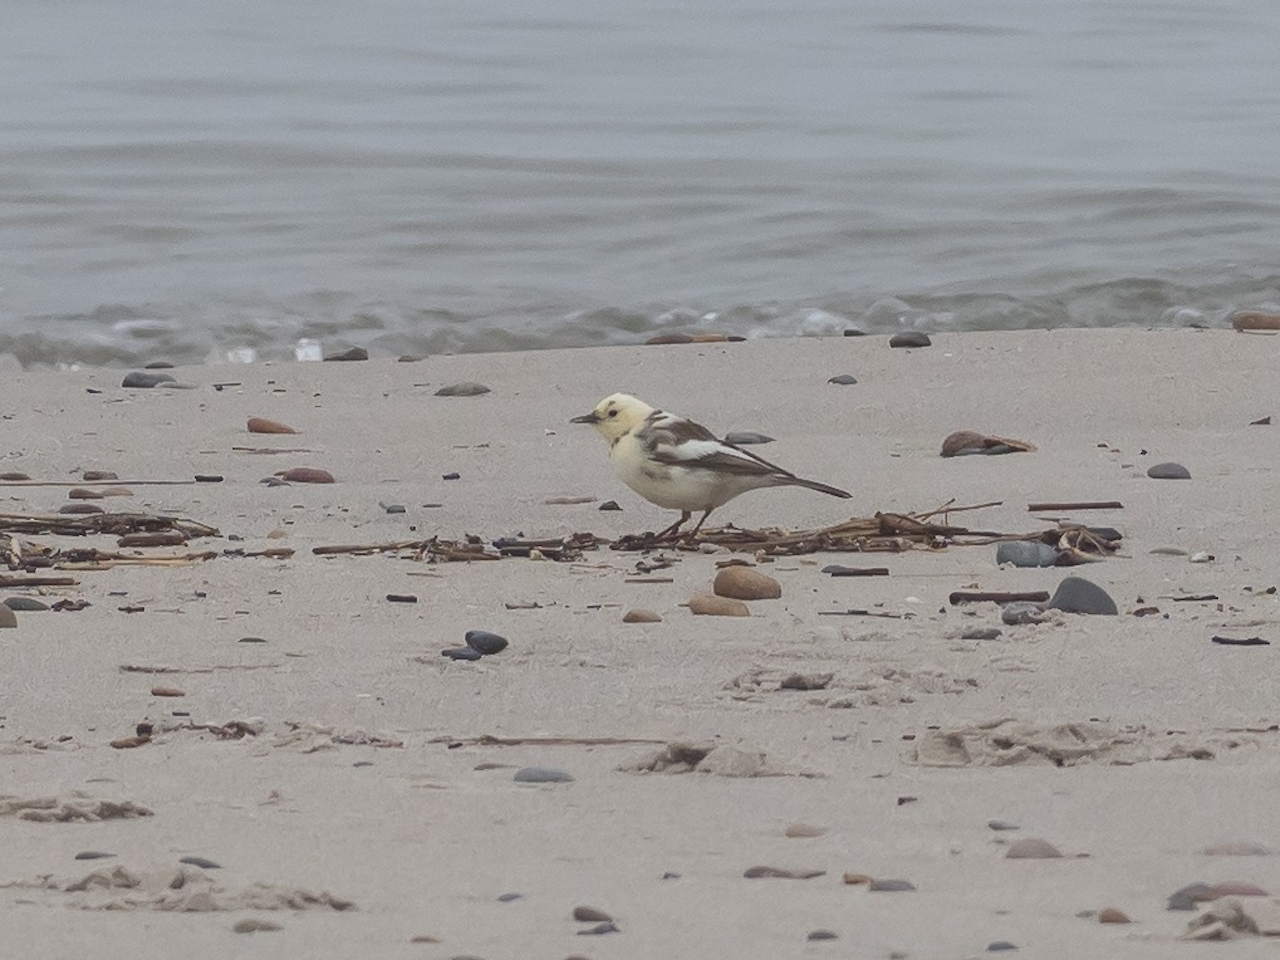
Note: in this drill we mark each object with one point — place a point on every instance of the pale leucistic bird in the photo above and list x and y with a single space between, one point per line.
681 465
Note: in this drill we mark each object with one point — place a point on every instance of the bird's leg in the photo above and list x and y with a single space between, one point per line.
671 530
693 534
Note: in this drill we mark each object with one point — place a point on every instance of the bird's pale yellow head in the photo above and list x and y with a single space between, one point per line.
615 415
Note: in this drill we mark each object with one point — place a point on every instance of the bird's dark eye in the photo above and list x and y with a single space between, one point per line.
613 413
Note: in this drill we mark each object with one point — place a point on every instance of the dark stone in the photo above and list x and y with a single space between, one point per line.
451 476
208 478
996 946
461 653
393 507
146 380
843 380
1106 533
93 855
485 643
609 505
251 640
25 603
1077 595
468 388
158 365
891 886
852 332
910 338
541 775
822 935
401 598
509 897
355 353
1169 471
591 915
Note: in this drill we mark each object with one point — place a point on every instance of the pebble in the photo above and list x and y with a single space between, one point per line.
80 508
509 897
1112 915
1021 612
305 475
843 380
204 863
485 643
251 640
910 338
8 619
93 855
745 438
468 388
461 653
821 935
708 605
744 583
1169 471
609 505
641 616
542 775
96 475
354 353
1026 553
1238 848
167 692
891 886
207 478
117 492
451 476
1077 595
797 830
1186 898
401 598
393 507
780 873
263 425
83 493
856 878
996 946
144 380
1002 825
591 915
980 633
854 332
254 925
11 475
25 603
1032 848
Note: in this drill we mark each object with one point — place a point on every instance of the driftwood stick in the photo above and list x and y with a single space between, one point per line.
1081 505
864 613
6 581
485 740
996 596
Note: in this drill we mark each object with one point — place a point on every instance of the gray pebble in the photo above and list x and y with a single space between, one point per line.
204 863
822 935
911 338
468 388
1032 848
93 855
1001 825
1188 897
981 633
508 897
1106 533
1078 595
996 946
1026 553
461 653
1021 612
843 380
591 915
609 505
485 643
146 380
745 438
392 507
854 332
1169 471
158 365
541 775
891 886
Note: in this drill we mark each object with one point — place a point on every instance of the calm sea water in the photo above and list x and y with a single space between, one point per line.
180 179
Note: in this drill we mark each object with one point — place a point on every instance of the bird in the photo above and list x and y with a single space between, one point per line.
681 465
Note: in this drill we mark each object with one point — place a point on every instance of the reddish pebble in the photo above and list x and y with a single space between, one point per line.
305 475
263 425
1112 915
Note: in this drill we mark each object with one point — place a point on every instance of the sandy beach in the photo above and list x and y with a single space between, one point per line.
334 766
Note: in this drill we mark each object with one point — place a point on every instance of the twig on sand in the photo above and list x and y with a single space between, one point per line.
486 740
1076 505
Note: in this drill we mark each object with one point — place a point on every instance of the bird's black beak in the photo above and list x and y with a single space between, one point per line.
587 418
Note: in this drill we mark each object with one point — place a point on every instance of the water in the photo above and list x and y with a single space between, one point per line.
180 179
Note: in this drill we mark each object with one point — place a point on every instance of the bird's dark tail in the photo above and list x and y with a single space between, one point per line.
820 487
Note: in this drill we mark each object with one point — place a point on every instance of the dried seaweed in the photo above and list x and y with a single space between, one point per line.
112 524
